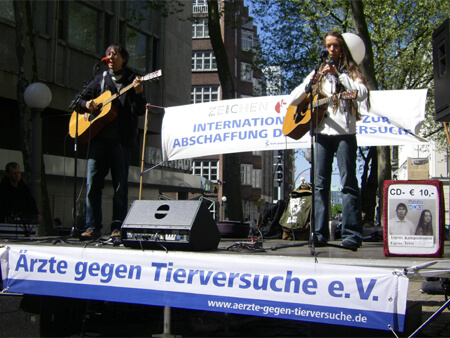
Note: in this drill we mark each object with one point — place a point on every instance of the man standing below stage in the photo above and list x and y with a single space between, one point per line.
400 225
16 200
110 149
336 135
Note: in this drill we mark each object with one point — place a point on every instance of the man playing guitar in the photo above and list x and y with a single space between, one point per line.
110 147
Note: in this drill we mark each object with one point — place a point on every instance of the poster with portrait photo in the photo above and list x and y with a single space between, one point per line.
413 221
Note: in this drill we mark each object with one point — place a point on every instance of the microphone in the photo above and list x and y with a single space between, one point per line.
105 60
324 54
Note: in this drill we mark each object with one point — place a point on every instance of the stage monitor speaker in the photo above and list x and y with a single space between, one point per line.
177 225
441 67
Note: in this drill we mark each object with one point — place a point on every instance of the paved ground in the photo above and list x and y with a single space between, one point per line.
439 326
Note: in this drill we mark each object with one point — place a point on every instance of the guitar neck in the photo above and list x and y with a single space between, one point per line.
325 100
116 95
149 76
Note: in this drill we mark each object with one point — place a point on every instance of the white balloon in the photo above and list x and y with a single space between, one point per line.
356 46
308 155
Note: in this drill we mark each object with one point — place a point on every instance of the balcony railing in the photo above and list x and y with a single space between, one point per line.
199 9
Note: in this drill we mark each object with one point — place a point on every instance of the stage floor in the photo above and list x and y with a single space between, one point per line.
370 254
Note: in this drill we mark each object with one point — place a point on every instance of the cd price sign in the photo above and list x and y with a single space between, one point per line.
414 218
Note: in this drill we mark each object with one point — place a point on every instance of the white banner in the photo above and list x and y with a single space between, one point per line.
266 286
255 124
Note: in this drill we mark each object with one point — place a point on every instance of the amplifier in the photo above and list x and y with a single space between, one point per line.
177 225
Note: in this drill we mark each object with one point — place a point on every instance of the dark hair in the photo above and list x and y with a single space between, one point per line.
403 205
11 165
121 49
422 216
425 228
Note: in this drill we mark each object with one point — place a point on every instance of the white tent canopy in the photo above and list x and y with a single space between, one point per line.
255 124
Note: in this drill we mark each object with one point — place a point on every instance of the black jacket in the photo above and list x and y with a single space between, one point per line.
16 202
130 106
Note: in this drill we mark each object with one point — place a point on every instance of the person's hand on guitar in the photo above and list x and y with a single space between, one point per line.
138 86
91 105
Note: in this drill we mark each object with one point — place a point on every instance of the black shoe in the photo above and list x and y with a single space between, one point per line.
349 245
320 244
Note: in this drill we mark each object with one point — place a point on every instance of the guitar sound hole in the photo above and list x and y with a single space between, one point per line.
298 116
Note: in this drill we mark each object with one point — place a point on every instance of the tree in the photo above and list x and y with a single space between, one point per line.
231 170
336 209
397 35
22 15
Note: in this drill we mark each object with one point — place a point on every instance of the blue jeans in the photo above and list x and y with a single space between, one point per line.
106 155
345 147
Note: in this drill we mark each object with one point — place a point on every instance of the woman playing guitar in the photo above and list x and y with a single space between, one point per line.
336 135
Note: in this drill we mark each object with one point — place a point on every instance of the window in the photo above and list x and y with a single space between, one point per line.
246 72
137 13
208 169
201 94
7 10
200 29
43 24
137 47
246 40
203 61
83 30
257 178
246 174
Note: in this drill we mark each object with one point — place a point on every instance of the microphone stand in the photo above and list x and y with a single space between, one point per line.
74 106
312 223
309 91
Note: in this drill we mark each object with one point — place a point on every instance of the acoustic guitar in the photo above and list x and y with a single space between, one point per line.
297 120
106 113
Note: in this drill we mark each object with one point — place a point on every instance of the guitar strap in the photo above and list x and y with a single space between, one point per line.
102 85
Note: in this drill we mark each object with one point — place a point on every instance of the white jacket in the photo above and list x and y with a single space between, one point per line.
339 122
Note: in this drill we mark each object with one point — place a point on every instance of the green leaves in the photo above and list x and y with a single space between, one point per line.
400 32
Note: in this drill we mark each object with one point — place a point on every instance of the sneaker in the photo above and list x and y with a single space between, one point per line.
91 234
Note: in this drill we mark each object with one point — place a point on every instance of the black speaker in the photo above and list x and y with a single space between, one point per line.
177 225
441 61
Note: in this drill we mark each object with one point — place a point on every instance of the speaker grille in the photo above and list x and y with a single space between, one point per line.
179 225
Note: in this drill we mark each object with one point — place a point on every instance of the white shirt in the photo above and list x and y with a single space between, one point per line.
339 122
401 227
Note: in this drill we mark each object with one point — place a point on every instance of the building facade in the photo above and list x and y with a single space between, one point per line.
261 179
62 49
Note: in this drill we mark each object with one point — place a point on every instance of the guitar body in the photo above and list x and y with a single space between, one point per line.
297 120
96 121
108 110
